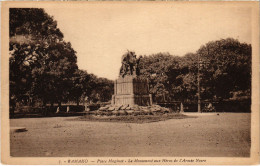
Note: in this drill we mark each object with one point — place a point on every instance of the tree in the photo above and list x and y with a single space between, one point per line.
155 68
228 68
96 89
41 62
80 86
101 89
182 78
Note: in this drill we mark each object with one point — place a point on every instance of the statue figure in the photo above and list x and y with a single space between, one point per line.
137 65
130 64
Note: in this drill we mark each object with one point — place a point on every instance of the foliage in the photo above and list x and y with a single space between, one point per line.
182 78
39 57
102 90
155 68
43 66
225 71
96 89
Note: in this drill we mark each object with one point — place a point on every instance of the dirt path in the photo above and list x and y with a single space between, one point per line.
225 135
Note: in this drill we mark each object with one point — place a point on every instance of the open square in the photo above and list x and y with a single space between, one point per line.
207 135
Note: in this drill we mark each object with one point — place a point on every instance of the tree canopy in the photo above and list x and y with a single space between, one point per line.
43 66
225 71
228 68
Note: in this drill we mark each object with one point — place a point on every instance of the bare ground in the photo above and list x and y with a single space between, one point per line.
223 135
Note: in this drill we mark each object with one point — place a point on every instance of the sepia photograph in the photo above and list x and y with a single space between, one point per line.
130 83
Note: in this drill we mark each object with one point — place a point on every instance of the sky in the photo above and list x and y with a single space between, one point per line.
102 33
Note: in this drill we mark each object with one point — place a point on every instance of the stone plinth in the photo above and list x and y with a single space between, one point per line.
131 90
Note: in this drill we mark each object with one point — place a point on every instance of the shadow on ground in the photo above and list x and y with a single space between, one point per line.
134 119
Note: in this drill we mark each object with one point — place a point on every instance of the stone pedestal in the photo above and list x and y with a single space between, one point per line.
131 90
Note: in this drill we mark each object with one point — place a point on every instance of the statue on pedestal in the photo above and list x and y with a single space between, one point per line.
131 92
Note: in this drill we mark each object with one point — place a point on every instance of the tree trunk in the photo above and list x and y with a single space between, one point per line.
77 101
44 103
59 103
44 109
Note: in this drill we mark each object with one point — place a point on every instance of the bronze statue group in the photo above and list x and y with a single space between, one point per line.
130 64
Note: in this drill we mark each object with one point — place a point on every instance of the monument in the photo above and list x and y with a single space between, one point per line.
129 88
131 92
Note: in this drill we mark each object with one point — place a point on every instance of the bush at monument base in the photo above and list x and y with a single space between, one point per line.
131 110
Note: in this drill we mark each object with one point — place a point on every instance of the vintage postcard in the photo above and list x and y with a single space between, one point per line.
130 83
